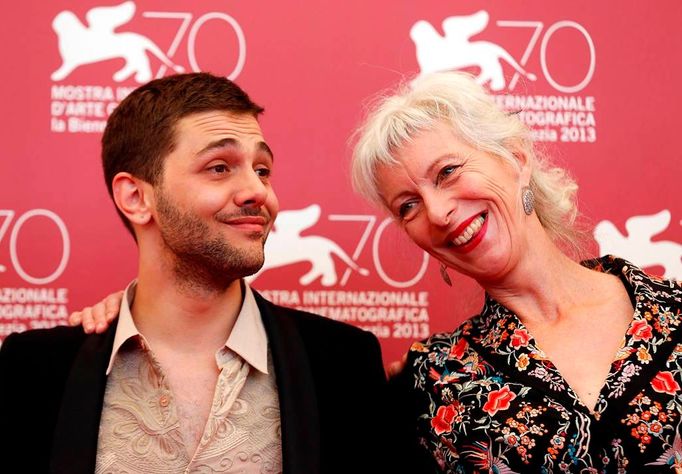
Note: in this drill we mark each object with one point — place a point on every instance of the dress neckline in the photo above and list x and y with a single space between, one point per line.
499 333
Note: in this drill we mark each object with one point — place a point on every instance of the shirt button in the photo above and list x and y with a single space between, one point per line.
164 401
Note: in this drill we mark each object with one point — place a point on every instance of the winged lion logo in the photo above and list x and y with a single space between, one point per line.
99 41
286 246
455 50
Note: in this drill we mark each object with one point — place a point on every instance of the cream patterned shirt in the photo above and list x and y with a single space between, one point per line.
140 429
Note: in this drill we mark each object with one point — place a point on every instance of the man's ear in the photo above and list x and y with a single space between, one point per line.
133 197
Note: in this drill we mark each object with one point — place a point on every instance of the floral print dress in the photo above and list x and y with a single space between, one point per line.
486 399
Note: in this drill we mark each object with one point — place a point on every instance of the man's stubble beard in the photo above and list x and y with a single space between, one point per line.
199 259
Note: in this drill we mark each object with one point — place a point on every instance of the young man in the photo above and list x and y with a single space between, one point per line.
199 373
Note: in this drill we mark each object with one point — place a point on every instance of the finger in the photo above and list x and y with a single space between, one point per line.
106 311
395 367
99 317
112 304
87 320
75 318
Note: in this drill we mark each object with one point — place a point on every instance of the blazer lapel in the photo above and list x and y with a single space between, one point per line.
296 387
74 448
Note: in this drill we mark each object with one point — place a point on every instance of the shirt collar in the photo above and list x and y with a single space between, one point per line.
247 339
126 328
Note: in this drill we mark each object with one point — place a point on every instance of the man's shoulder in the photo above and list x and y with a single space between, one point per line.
47 344
56 335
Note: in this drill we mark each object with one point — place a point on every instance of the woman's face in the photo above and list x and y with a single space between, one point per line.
460 204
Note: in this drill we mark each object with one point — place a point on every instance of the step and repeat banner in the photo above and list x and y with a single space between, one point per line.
598 83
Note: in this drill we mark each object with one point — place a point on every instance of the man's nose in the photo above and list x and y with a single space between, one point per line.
252 190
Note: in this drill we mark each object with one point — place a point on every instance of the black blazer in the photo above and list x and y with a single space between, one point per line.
329 376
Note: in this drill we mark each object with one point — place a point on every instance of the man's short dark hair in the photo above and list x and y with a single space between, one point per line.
140 132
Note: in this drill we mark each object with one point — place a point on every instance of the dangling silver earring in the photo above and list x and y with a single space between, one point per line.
444 274
528 199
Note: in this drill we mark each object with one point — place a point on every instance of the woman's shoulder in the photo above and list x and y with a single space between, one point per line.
662 286
452 342
616 264
641 284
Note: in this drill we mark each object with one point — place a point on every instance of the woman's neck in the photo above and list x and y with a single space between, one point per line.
545 284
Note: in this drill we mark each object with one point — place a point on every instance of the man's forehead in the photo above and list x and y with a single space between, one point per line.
220 121
212 129
232 143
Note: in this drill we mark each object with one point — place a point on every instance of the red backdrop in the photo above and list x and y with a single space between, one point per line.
604 102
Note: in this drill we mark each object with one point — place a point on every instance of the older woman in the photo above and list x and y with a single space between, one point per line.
569 367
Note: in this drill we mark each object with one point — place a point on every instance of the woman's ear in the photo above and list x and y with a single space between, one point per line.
131 198
523 162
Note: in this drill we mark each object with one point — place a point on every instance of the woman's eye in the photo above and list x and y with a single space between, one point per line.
405 208
445 172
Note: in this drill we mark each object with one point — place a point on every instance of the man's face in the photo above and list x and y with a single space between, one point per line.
215 205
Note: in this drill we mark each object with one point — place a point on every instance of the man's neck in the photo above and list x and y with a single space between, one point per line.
185 317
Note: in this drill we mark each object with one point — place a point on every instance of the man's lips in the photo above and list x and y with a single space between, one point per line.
251 223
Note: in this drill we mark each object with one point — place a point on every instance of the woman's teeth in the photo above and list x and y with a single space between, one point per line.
470 231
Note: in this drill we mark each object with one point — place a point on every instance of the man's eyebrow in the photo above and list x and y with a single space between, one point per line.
233 143
222 143
262 146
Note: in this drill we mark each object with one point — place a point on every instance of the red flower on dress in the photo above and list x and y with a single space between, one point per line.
664 382
520 338
640 330
498 400
457 351
442 422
